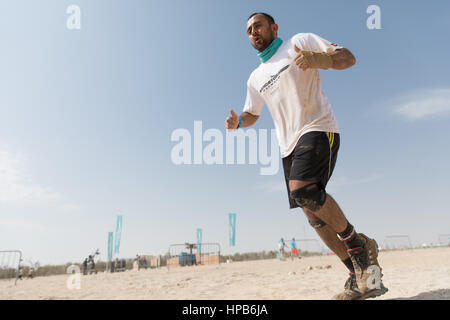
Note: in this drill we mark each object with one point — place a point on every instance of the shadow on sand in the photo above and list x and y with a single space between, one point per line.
440 294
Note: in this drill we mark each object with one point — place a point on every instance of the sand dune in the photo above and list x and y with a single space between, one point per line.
414 274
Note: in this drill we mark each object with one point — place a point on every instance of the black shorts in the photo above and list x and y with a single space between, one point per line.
313 159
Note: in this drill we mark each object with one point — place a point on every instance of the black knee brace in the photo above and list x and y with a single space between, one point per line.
311 196
317 224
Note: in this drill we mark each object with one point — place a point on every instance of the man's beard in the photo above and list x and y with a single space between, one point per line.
264 44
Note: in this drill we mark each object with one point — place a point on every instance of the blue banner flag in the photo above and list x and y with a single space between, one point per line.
232 220
199 240
118 233
110 245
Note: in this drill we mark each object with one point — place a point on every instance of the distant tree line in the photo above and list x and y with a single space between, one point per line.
102 266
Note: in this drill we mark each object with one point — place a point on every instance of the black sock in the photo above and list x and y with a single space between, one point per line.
350 237
348 263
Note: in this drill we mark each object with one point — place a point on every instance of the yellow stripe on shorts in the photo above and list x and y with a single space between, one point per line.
331 138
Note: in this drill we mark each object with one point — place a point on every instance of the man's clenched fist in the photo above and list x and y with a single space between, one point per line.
232 122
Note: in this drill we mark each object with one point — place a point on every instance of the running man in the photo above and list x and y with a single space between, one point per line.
288 82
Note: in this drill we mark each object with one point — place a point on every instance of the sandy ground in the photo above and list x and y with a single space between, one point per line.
415 274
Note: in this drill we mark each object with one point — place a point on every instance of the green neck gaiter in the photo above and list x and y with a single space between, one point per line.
270 50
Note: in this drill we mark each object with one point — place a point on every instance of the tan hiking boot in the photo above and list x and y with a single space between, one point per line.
371 247
367 270
375 292
351 291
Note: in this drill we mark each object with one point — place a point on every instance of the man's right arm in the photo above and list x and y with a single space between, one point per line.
252 108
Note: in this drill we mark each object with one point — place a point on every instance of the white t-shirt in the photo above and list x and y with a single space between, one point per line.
294 97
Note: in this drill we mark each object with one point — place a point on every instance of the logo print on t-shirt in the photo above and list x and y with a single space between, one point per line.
273 80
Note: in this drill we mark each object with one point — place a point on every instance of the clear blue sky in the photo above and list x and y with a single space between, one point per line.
86 118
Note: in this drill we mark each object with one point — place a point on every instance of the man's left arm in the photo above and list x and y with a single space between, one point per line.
338 59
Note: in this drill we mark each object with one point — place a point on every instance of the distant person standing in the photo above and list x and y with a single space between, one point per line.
145 262
30 273
85 266
92 265
294 250
20 274
138 261
281 246
136 266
